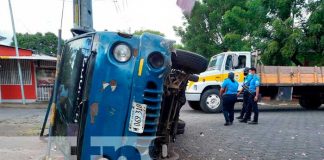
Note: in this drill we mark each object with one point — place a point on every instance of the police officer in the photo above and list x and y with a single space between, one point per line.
247 79
253 98
228 93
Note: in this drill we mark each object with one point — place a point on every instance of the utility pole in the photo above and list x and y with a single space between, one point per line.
17 54
1 39
82 17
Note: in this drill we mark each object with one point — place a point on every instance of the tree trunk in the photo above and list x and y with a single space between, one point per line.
295 60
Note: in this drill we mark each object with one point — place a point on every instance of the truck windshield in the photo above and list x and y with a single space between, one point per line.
216 62
68 89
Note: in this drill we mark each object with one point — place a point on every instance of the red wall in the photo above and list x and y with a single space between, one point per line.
11 92
10 51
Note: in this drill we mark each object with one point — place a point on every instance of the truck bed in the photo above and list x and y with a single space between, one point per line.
291 76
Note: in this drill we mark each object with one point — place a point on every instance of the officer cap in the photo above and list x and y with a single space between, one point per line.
246 71
253 69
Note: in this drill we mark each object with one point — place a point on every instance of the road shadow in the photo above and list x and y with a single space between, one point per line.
262 108
289 109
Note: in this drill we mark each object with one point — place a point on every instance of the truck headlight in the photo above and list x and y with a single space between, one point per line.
156 60
122 52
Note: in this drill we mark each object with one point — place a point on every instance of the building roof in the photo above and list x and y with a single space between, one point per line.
10 54
1 45
33 57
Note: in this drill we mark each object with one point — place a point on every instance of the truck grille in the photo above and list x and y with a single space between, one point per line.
152 98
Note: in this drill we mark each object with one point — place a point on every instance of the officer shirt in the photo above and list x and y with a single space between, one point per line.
232 87
247 80
254 83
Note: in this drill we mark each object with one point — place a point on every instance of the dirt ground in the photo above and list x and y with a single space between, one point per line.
19 132
21 121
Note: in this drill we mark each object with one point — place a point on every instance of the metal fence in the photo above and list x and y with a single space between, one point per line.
44 93
9 72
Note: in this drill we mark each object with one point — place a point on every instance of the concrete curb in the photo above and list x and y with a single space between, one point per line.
26 106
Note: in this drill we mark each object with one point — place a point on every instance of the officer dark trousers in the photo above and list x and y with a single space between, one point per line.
228 106
252 106
245 104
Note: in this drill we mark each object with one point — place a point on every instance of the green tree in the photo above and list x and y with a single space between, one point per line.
178 46
140 32
313 44
203 33
281 29
285 32
39 43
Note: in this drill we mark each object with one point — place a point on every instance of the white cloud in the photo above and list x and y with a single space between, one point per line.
44 16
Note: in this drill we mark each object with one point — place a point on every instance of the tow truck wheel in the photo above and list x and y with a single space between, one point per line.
210 101
194 105
310 102
189 62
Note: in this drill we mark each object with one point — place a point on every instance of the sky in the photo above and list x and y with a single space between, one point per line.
44 16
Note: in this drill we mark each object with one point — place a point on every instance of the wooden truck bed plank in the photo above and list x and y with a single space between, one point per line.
291 75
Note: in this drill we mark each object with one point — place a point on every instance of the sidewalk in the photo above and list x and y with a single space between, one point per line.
36 105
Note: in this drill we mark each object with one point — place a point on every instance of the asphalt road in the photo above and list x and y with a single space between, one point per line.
283 132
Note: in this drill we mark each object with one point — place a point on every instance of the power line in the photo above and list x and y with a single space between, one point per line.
116 5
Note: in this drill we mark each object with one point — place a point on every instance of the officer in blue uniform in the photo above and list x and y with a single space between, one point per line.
253 98
247 79
228 92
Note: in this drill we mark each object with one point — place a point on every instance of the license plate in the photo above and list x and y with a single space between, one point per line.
137 118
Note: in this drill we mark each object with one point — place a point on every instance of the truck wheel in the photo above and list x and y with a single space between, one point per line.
189 62
310 102
210 101
195 105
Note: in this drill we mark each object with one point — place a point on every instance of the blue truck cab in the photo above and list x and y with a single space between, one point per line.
110 85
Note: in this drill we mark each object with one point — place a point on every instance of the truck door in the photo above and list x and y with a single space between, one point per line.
239 68
68 92
235 63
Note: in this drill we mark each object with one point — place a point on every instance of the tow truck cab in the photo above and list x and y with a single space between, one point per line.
204 93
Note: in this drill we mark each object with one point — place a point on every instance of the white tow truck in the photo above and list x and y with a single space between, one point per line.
277 82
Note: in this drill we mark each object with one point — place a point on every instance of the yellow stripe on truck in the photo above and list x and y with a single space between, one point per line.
239 76
140 68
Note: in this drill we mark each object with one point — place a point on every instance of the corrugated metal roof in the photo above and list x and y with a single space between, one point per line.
33 57
1 45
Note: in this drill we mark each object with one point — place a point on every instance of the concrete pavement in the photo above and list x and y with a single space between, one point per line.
282 133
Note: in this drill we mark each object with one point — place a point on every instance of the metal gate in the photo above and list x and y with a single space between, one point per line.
44 93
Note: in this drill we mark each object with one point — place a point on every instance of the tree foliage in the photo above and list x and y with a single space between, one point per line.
286 31
140 32
39 43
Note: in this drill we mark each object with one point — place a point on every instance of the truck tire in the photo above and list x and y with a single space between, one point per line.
189 62
310 102
195 105
211 102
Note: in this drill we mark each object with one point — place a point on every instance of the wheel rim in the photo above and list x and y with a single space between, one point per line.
213 101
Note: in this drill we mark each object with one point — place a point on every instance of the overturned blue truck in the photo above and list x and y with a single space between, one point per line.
120 95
